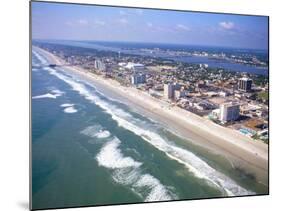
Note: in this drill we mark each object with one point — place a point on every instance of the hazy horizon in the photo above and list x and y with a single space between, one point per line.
156 43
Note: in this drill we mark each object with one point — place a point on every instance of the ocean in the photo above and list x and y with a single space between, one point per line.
91 148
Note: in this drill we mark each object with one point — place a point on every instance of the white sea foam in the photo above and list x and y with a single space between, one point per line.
91 130
103 134
57 92
196 165
82 90
54 94
111 157
67 105
40 58
96 131
157 190
127 171
70 109
48 95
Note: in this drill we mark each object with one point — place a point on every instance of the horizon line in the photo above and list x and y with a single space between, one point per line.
151 42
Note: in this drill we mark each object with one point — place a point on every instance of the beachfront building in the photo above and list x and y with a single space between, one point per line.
169 90
138 78
177 86
99 65
179 94
229 111
245 84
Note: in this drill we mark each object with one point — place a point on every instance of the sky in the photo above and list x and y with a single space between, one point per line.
99 23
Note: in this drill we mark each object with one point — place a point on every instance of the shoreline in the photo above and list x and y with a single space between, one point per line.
244 151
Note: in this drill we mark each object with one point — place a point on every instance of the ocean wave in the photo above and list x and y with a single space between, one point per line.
70 110
40 58
54 94
111 157
103 134
126 171
48 95
195 164
57 92
96 131
82 90
67 105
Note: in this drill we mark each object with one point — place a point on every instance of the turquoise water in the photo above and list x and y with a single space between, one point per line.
91 149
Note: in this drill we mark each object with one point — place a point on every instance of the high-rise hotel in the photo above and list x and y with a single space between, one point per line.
245 84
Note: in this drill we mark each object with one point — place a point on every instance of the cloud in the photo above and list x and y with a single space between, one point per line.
82 22
99 23
182 27
123 21
227 25
149 24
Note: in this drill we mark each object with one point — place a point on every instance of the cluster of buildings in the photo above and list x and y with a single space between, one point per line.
174 91
224 97
226 102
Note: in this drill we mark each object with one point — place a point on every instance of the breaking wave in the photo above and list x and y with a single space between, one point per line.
96 131
103 134
66 105
70 109
40 58
126 171
54 94
48 95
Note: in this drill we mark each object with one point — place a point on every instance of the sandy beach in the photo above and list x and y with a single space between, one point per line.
250 154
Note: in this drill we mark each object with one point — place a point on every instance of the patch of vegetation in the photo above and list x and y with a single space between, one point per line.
263 96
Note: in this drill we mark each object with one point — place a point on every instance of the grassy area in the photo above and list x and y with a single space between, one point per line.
257 137
263 96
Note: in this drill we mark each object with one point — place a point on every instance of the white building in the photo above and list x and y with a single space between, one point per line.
169 90
138 78
179 94
135 66
99 65
229 111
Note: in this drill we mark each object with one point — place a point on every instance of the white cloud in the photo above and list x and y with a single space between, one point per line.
227 25
82 22
149 24
123 21
99 22
182 27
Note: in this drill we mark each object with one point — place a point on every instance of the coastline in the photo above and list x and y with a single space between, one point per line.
244 151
